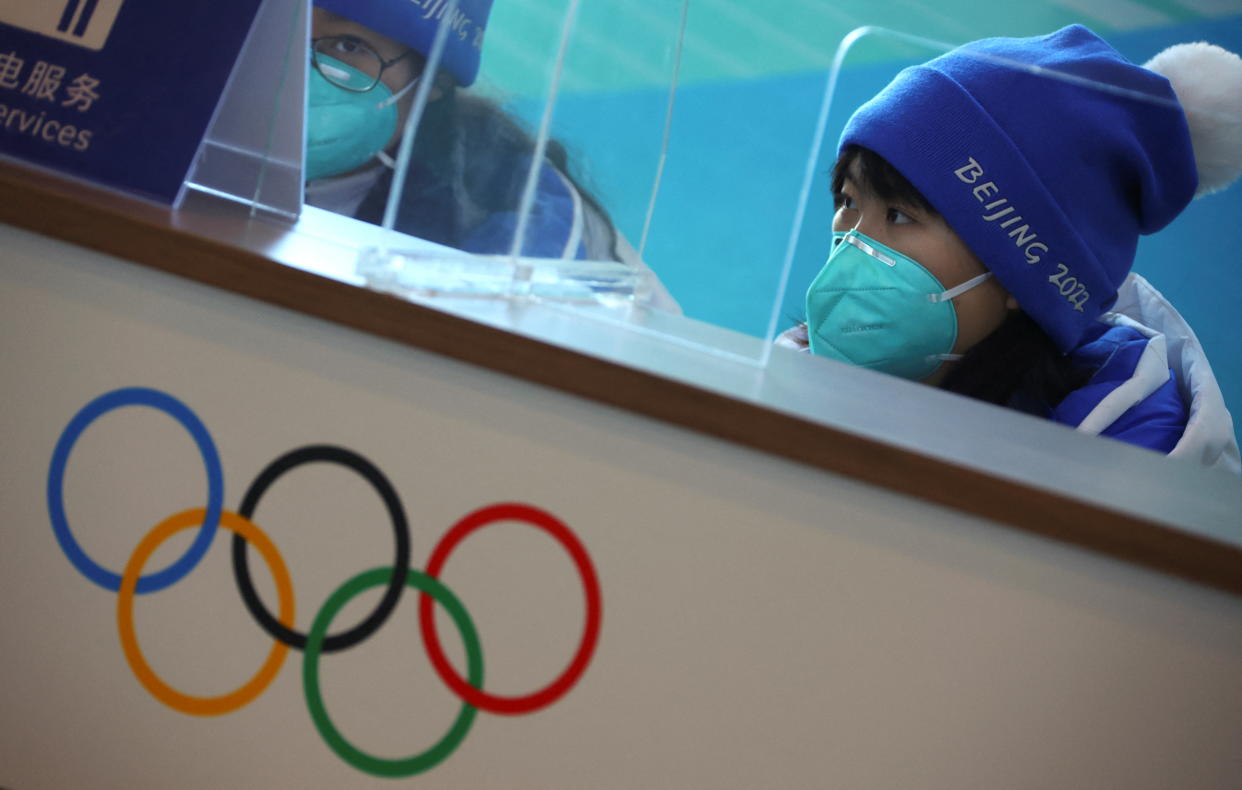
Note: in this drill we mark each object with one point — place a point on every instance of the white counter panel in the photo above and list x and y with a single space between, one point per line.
764 624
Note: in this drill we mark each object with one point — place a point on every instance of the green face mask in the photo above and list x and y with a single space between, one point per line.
873 307
346 129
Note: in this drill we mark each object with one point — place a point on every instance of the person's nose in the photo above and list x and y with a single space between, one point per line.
871 223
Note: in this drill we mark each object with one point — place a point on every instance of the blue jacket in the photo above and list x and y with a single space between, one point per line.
1153 385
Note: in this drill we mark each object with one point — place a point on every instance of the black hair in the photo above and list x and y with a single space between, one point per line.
872 171
1017 365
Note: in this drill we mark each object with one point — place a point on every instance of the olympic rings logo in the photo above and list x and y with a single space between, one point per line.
317 641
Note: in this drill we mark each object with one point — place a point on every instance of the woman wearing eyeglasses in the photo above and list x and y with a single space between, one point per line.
470 160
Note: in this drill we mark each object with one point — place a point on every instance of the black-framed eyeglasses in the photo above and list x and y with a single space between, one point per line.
356 53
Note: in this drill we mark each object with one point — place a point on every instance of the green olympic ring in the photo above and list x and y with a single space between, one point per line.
406 766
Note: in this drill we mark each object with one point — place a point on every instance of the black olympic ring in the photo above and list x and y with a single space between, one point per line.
401 532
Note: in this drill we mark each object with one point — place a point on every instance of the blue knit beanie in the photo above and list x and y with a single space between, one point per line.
414 22
1049 181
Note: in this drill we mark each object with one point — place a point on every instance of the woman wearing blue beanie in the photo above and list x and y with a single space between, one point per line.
988 212
471 159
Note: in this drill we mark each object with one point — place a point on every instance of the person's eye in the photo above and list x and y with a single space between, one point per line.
346 46
844 201
898 217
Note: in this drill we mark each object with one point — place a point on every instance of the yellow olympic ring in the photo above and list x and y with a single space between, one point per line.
201 706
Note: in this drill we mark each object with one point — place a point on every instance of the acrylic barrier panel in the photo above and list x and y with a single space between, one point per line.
611 120
480 166
729 195
253 151
119 92
743 215
613 103
736 156
1058 232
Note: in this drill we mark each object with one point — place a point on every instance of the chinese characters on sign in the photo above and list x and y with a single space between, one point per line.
120 92
45 82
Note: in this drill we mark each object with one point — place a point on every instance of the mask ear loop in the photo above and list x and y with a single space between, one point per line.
386 160
397 96
950 294
958 290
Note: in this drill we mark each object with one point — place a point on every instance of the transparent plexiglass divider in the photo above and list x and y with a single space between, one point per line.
729 113
253 151
863 62
536 181
1048 258
751 79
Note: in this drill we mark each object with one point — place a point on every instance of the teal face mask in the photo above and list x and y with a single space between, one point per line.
873 307
346 129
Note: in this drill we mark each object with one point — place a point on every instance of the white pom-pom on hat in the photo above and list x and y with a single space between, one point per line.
1208 83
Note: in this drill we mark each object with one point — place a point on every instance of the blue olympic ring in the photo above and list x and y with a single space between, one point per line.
135 396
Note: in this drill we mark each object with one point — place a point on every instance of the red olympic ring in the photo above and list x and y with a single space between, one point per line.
590 634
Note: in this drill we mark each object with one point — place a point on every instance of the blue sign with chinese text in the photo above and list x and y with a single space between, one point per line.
116 91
